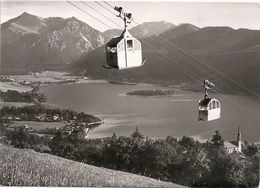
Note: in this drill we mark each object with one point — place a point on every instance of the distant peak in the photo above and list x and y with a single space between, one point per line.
157 22
26 14
188 25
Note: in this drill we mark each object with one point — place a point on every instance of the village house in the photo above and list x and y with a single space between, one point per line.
56 117
41 117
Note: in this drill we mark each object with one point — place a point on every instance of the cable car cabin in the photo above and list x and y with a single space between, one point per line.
124 52
209 109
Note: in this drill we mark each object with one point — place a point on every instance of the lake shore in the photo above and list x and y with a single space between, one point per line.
50 77
155 116
4 86
23 83
27 83
174 115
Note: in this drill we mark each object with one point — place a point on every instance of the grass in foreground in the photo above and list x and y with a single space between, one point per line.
20 167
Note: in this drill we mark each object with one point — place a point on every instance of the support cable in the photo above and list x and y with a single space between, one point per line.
88 14
165 57
100 13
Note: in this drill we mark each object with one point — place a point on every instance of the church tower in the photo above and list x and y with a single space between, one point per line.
239 140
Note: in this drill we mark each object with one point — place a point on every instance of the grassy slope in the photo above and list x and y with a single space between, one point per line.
28 168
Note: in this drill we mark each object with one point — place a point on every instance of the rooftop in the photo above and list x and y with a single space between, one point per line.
229 145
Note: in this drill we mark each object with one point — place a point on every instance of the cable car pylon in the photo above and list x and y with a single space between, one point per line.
124 51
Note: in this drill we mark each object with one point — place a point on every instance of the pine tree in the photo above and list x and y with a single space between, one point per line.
114 137
217 139
137 135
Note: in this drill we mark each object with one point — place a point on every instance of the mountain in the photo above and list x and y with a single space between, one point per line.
33 43
175 55
228 57
212 39
110 33
29 168
179 30
148 29
143 30
20 26
232 53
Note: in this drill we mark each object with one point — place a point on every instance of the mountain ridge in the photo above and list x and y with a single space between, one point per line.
143 30
43 43
207 53
72 45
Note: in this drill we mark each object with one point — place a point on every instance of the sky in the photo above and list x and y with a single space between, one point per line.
201 14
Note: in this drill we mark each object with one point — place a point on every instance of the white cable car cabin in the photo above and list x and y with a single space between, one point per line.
209 109
124 52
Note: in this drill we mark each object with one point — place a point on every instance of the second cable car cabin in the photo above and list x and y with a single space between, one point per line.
124 51
209 108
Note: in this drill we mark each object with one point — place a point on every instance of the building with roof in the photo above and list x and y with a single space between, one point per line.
234 147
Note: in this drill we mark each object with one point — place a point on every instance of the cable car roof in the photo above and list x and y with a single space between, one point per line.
114 41
206 101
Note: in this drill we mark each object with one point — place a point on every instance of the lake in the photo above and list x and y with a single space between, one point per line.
156 117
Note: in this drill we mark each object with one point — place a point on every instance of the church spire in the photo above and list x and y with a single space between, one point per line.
239 140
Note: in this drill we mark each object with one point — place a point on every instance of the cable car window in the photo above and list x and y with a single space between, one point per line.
210 105
214 104
130 44
113 49
217 104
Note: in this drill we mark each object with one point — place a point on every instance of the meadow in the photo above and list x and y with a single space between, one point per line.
20 167
4 86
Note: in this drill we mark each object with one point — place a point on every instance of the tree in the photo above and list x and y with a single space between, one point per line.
137 135
114 137
217 139
187 142
250 150
18 138
194 167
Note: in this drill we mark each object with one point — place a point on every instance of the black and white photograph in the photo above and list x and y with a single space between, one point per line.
130 93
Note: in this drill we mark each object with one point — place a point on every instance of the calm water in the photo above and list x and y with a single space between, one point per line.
156 116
